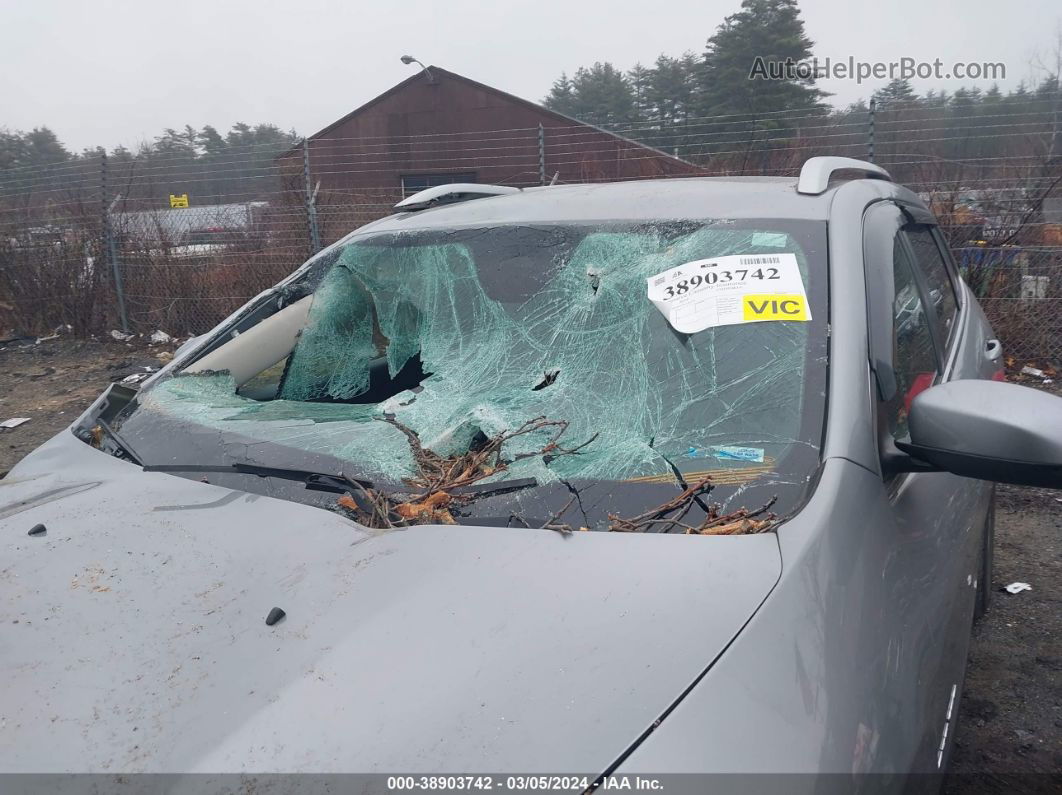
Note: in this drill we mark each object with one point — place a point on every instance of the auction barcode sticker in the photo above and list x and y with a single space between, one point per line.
723 291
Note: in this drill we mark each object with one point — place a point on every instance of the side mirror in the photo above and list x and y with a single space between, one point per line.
988 430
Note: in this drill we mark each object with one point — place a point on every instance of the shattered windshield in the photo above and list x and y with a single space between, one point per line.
440 342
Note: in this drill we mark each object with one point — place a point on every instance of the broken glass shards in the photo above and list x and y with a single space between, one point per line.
462 335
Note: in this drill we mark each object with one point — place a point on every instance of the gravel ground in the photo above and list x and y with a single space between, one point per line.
53 382
1010 721
1010 728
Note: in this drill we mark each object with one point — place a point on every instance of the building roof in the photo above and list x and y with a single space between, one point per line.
438 71
173 224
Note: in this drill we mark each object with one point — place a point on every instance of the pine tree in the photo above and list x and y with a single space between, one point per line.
962 100
176 144
1048 88
601 95
560 97
12 149
42 148
896 92
672 84
933 99
639 79
763 33
210 141
121 155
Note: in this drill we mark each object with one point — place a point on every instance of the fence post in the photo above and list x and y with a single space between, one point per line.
110 245
311 199
870 130
541 155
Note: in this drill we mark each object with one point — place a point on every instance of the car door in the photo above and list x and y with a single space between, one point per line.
919 333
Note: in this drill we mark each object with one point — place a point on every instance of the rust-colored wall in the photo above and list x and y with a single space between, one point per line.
456 125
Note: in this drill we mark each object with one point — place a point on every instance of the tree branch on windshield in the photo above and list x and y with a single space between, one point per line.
669 516
439 478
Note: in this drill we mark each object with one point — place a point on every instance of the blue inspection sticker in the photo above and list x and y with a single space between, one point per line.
727 453
739 453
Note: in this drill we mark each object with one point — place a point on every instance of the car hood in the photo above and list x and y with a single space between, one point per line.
135 638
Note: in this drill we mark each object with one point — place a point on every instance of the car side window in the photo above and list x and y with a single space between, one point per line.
939 285
914 355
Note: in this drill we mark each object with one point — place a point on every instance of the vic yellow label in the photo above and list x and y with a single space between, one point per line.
774 306
177 202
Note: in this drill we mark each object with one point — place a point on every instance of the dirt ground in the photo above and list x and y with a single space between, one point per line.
53 382
1010 721
1010 727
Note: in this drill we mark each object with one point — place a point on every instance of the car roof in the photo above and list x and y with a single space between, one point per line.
690 198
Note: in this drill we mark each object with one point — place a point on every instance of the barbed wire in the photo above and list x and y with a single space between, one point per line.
160 165
998 163
811 112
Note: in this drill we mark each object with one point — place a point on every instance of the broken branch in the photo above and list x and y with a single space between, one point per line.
670 515
438 477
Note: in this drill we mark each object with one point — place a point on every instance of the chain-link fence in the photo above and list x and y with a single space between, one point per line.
178 240
1020 290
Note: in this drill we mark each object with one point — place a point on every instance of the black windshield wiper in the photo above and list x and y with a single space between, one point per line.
498 487
339 484
314 481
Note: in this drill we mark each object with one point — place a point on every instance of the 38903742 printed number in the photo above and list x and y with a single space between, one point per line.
718 277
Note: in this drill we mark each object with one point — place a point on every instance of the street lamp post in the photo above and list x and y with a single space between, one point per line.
408 59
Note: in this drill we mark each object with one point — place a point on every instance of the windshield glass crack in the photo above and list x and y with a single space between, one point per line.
426 349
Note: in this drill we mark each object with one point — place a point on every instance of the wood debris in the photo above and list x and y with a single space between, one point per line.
671 515
439 479
437 484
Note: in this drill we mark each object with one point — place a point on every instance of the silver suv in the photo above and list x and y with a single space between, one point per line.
665 476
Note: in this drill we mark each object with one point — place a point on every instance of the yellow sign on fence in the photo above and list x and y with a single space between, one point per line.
178 201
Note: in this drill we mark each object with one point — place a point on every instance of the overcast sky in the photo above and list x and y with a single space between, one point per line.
118 72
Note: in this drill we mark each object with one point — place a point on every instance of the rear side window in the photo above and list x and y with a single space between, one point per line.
914 357
939 286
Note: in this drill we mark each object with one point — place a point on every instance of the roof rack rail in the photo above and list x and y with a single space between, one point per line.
816 172
451 194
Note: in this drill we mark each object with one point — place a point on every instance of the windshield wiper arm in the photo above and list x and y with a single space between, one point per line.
498 487
339 484
314 481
